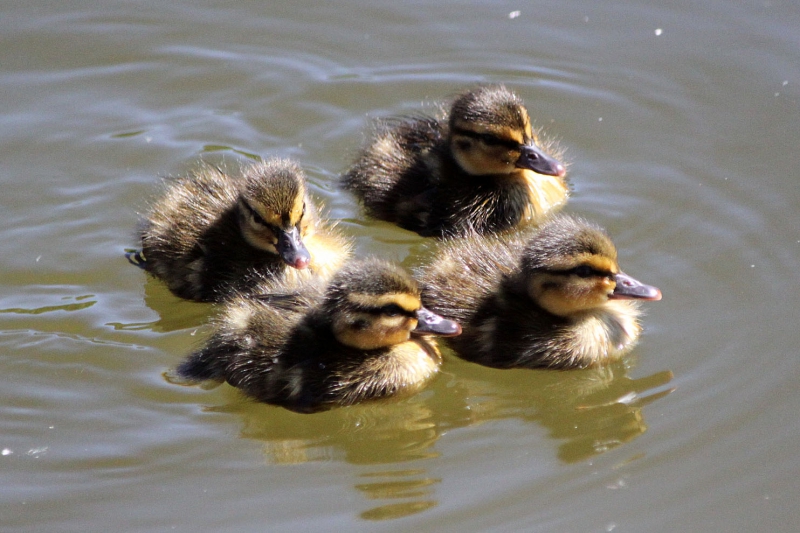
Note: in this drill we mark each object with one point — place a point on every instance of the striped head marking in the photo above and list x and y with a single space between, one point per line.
275 213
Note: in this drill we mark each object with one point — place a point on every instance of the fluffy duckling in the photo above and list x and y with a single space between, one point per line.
479 168
211 232
307 347
554 297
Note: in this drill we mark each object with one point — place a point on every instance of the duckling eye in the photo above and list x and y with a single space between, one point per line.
486 138
257 218
490 140
392 310
360 324
584 271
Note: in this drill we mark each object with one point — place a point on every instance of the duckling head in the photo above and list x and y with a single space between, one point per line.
374 304
491 134
570 267
274 214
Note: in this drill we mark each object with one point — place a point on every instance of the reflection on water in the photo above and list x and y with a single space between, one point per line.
397 510
588 412
398 484
51 308
597 410
174 313
368 434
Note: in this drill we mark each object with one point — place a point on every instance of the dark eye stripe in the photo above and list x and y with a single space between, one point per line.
393 310
258 219
387 310
489 139
583 271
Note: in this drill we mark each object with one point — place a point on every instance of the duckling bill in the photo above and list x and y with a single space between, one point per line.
308 347
480 168
553 297
210 232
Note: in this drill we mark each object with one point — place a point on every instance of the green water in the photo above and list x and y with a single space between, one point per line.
681 124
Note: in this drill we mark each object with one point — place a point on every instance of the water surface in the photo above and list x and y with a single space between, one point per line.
681 125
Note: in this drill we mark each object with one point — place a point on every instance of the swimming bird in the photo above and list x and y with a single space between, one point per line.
551 297
211 232
308 347
479 168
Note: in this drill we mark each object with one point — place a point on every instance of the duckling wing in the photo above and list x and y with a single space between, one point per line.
395 175
285 302
180 225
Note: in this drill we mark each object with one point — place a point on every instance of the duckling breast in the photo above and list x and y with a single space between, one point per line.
546 195
402 369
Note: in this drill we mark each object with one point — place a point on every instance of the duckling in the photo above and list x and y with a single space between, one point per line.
211 232
309 347
553 297
479 168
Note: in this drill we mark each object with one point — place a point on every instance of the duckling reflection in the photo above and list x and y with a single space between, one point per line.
171 313
315 347
369 434
210 232
479 168
554 297
388 442
588 411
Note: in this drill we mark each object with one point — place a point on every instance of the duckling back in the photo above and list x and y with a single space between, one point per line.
464 271
396 173
249 336
173 230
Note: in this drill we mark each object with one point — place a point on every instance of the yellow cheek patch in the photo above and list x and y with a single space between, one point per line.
388 323
306 227
406 301
368 340
564 298
373 332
